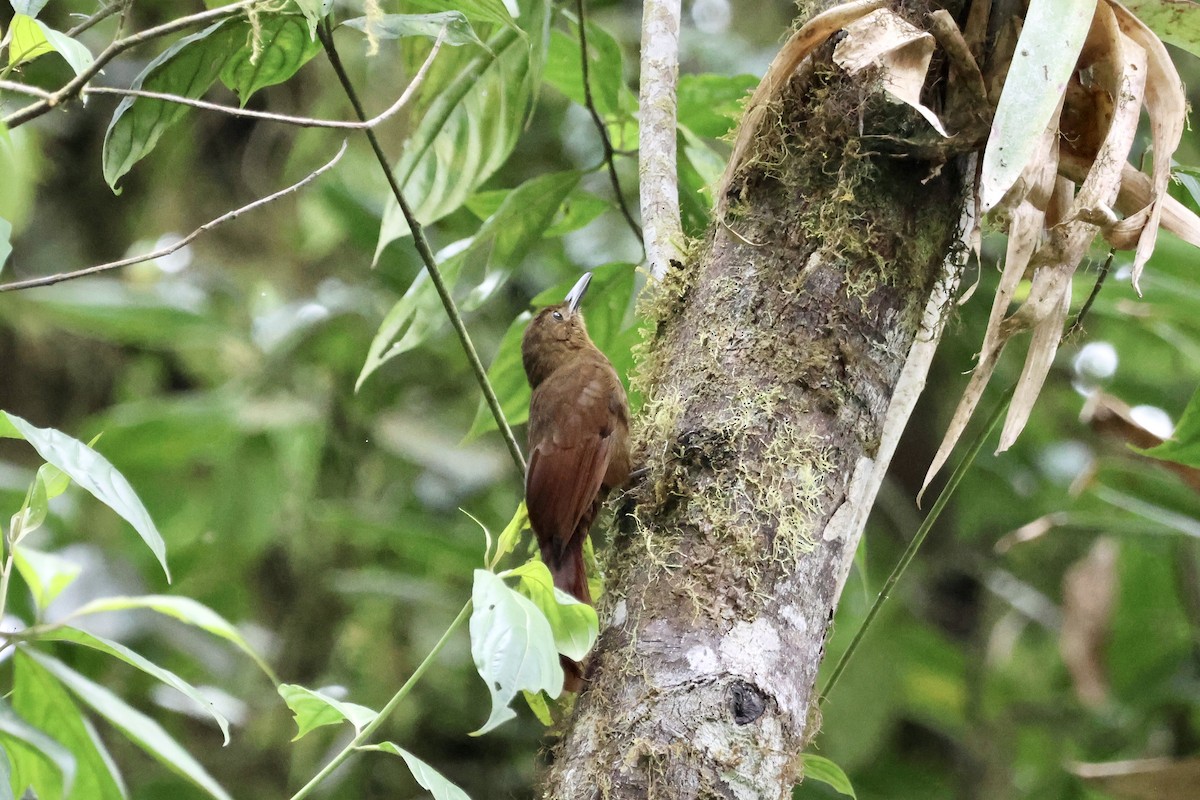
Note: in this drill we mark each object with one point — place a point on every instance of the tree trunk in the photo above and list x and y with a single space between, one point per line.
772 360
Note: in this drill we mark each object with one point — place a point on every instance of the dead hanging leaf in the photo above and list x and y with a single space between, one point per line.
899 49
1143 779
1089 596
798 47
1044 59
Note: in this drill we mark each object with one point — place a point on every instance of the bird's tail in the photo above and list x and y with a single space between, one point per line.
570 576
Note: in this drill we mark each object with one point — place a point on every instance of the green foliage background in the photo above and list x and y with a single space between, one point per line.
326 522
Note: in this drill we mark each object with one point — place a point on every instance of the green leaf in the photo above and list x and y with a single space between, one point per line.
710 105
41 699
187 68
313 709
120 651
1175 23
30 8
5 242
575 624
825 771
577 211
501 243
314 11
46 574
564 70
1048 47
513 646
540 708
185 610
507 542
427 776
1184 446
92 471
32 753
75 54
604 309
285 46
6 774
394 26
27 40
137 727
493 12
469 129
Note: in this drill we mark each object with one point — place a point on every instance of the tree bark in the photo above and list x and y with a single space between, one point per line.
771 362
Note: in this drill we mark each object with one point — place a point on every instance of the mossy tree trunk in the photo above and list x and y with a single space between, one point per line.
776 351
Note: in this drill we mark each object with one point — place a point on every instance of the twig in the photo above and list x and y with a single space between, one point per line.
303 122
656 136
49 280
104 13
609 153
76 84
20 88
363 735
325 34
1077 323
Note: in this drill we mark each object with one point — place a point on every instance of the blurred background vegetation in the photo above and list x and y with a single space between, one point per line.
327 523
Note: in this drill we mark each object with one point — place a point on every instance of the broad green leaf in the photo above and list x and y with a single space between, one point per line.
186 68
38 508
185 610
1175 22
27 40
493 12
577 211
825 771
501 243
470 128
75 54
394 26
92 471
314 11
707 162
1184 445
1048 47
41 699
313 709
575 624
427 776
137 727
564 68
46 574
604 309
285 46
120 651
32 753
29 8
512 645
5 242
710 105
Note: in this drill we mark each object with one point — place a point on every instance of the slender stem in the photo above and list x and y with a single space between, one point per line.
303 122
324 32
910 552
73 87
600 126
363 735
49 280
104 13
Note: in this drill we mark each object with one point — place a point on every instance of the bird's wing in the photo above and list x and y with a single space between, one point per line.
567 467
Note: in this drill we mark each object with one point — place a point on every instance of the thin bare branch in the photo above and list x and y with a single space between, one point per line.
288 119
658 171
49 280
20 88
76 84
609 153
104 13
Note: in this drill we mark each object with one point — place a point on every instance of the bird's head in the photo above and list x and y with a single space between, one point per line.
555 335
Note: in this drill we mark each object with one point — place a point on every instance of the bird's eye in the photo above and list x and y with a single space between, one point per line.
557 315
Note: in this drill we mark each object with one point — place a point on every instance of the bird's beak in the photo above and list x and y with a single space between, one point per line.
575 296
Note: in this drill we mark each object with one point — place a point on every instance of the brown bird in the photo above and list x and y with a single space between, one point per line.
578 442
